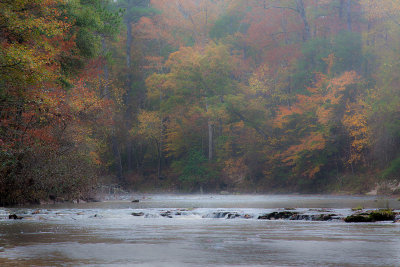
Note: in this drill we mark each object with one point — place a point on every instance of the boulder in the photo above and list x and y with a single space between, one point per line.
358 218
166 214
372 216
278 215
232 215
382 215
14 217
324 217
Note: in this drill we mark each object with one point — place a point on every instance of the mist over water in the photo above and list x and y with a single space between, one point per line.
106 233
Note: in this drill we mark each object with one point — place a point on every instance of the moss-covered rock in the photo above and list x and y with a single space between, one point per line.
382 215
372 216
358 218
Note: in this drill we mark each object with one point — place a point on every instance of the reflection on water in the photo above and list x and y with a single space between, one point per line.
106 234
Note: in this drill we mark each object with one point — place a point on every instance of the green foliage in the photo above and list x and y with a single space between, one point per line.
88 43
92 21
193 168
136 9
346 47
393 171
228 25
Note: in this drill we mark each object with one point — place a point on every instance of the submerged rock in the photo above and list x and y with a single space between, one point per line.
222 214
149 215
278 215
232 216
295 216
166 214
324 217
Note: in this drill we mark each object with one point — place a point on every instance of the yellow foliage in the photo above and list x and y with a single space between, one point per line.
355 121
150 125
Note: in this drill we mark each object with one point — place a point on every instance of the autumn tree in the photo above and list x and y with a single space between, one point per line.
47 101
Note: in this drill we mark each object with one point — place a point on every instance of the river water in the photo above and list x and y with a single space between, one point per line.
194 230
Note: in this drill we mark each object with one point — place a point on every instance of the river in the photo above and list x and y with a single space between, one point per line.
198 230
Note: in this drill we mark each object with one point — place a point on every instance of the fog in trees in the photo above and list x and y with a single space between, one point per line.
197 95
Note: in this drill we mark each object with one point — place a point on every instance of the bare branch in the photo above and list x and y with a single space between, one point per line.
282 7
11 65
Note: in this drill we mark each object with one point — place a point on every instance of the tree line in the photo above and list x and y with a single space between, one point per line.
262 95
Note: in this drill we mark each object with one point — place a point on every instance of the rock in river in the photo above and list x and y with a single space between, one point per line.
372 216
278 215
14 217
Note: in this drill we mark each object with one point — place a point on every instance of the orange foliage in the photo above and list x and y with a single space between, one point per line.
325 96
181 20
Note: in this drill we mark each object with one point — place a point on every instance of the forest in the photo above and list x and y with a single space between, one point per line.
197 96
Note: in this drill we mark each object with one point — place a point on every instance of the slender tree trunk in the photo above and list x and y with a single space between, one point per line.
160 143
341 9
210 141
117 157
129 85
159 163
348 13
128 46
105 70
210 137
114 143
302 12
284 29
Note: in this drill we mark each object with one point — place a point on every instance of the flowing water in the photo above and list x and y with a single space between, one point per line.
198 230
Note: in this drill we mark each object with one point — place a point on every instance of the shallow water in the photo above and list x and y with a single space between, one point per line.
106 233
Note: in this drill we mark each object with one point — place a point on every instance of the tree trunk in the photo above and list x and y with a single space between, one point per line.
159 161
302 12
128 85
341 9
284 29
117 157
128 45
105 70
348 13
210 137
115 149
160 144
